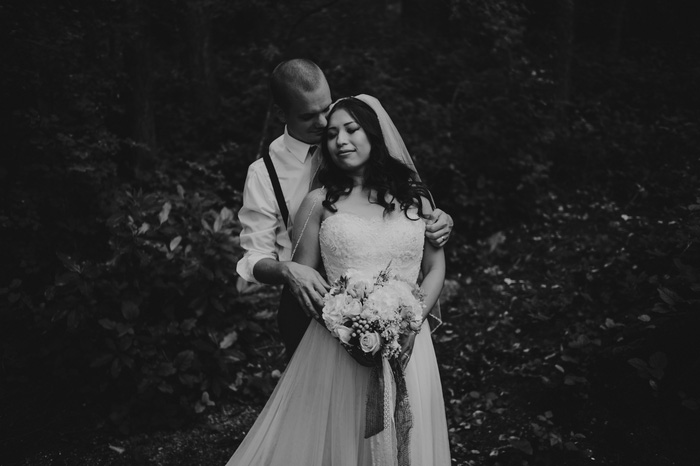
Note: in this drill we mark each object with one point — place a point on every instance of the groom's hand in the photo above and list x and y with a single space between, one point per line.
438 228
308 287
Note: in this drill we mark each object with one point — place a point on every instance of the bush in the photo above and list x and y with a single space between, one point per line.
156 326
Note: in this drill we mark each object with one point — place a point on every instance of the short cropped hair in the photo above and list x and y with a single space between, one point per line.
296 74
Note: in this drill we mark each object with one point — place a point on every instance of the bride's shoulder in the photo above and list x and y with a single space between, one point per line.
316 194
310 206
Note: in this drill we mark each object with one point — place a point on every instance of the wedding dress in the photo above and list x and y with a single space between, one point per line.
316 414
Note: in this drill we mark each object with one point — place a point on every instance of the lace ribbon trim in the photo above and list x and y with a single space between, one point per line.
390 440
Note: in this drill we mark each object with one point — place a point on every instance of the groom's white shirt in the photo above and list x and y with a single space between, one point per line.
263 233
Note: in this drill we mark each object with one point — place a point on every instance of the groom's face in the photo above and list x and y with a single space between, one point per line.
306 114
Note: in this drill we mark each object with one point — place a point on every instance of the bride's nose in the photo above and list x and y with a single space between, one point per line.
341 139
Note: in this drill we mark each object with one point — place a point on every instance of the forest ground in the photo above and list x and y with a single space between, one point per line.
539 354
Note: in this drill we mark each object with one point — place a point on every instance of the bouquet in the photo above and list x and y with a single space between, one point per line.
368 315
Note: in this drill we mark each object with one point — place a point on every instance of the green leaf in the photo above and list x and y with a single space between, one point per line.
130 310
216 304
108 324
183 361
233 355
164 213
175 242
165 369
206 400
643 370
165 387
206 225
102 359
228 340
226 214
265 314
521 444
254 328
65 278
72 320
691 403
188 380
187 325
199 408
609 323
119 450
116 368
668 296
68 262
123 329
658 360
638 363
127 361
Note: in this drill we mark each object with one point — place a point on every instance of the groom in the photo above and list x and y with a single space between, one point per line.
302 99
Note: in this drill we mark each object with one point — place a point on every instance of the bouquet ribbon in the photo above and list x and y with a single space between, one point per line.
379 415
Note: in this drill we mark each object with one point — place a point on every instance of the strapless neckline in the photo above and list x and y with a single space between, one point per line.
368 244
374 219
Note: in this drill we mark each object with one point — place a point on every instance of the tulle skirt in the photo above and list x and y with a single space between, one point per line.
316 414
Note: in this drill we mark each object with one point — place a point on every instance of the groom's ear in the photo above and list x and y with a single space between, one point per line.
279 113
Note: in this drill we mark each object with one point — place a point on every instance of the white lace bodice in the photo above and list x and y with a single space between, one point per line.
351 242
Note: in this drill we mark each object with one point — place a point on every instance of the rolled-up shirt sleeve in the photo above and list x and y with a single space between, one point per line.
259 222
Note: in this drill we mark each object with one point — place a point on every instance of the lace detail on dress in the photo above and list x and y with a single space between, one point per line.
351 242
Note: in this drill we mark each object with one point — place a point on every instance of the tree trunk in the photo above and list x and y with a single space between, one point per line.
565 33
138 62
618 16
204 89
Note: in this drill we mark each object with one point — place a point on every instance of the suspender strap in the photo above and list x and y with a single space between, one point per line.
278 189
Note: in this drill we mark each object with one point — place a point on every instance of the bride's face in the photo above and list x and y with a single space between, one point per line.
348 144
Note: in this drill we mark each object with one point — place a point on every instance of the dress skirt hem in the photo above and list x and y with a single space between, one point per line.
316 414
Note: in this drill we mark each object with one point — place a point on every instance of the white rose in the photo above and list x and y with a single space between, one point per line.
416 325
352 308
383 302
368 313
333 310
343 333
370 342
410 308
361 289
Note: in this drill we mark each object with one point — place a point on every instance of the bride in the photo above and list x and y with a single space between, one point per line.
368 215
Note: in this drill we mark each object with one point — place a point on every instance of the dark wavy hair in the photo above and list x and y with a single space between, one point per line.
383 173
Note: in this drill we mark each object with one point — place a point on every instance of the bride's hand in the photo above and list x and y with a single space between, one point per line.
407 342
438 228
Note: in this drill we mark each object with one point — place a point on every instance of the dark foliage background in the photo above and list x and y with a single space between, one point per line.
561 136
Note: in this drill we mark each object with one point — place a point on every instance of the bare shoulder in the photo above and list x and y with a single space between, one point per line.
310 206
316 195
